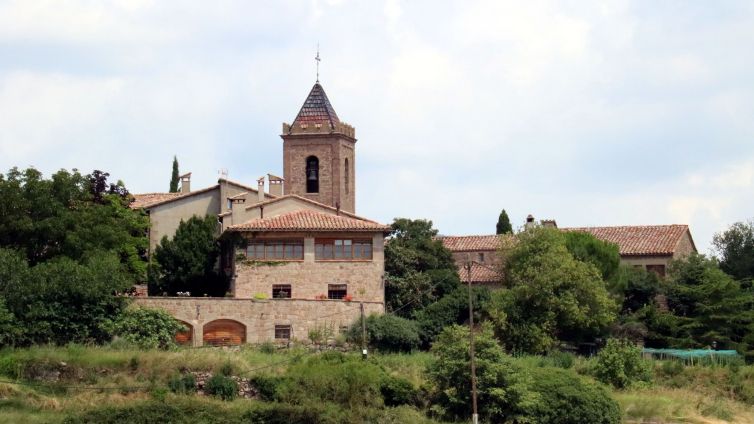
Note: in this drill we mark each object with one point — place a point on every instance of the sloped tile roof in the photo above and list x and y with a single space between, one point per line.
317 109
309 220
146 199
480 274
473 243
639 240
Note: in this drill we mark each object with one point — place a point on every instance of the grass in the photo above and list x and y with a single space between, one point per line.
679 394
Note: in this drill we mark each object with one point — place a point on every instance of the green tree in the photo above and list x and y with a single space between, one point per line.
419 269
10 330
188 261
550 295
71 215
503 224
174 177
620 363
588 248
387 333
453 308
146 328
501 385
63 301
710 306
735 248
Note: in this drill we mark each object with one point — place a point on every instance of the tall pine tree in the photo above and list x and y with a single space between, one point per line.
174 178
504 224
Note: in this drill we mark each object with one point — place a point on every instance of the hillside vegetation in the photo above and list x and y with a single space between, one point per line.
76 384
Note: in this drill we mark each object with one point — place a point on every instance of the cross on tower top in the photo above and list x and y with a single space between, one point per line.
318 60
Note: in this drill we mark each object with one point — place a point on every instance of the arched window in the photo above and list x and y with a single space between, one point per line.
347 175
312 174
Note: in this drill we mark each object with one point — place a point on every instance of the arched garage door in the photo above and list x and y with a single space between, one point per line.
224 332
186 337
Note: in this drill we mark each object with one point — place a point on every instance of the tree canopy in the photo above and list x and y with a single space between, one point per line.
735 248
71 215
188 261
503 224
550 295
174 177
419 269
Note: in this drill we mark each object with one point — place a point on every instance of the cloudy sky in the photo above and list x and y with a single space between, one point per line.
604 113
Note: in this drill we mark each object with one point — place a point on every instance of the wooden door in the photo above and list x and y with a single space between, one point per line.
224 332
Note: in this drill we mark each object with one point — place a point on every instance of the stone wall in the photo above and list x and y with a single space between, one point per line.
310 278
331 150
261 316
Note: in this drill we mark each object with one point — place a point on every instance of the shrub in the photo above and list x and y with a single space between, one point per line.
226 369
146 328
333 378
267 347
501 384
563 360
267 386
564 398
387 333
398 391
10 329
283 413
620 364
183 384
174 412
223 387
452 308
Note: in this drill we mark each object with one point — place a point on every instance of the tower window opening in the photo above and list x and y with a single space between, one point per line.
312 174
346 175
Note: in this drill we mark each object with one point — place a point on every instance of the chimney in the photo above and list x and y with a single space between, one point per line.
260 188
277 185
185 183
549 223
529 222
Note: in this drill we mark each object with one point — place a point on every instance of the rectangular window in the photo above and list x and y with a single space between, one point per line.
281 291
657 269
337 291
342 249
275 250
282 332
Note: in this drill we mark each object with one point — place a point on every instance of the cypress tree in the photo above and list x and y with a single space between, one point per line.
503 224
174 178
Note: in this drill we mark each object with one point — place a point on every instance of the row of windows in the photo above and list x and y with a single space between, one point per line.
342 249
334 291
324 249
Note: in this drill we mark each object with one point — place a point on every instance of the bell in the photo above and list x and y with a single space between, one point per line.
312 175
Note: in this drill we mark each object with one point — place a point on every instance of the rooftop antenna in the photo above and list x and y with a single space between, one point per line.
318 60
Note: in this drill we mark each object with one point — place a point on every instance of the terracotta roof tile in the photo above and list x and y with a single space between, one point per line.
473 243
308 220
147 199
480 274
317 109
639 240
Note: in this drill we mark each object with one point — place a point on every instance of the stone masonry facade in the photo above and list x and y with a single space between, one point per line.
309 278
259 317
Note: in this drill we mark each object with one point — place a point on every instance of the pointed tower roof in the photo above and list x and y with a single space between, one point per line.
317 109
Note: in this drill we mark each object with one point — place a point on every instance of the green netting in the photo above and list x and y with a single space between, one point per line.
691 354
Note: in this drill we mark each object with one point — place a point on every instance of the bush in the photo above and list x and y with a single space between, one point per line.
146 328
387 333
223 387
267 386
10 329
174 412
283 413
501 385
183 384
398 391
563 360
620 364
564 398
452 308
333 378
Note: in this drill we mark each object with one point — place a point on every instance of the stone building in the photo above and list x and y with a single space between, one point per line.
650 247
299 258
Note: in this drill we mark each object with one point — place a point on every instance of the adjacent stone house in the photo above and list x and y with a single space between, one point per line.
650 247
301 262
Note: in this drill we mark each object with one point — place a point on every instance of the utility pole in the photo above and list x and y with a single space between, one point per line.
475 414
363 333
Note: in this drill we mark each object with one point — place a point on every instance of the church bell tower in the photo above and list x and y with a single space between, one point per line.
319 154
